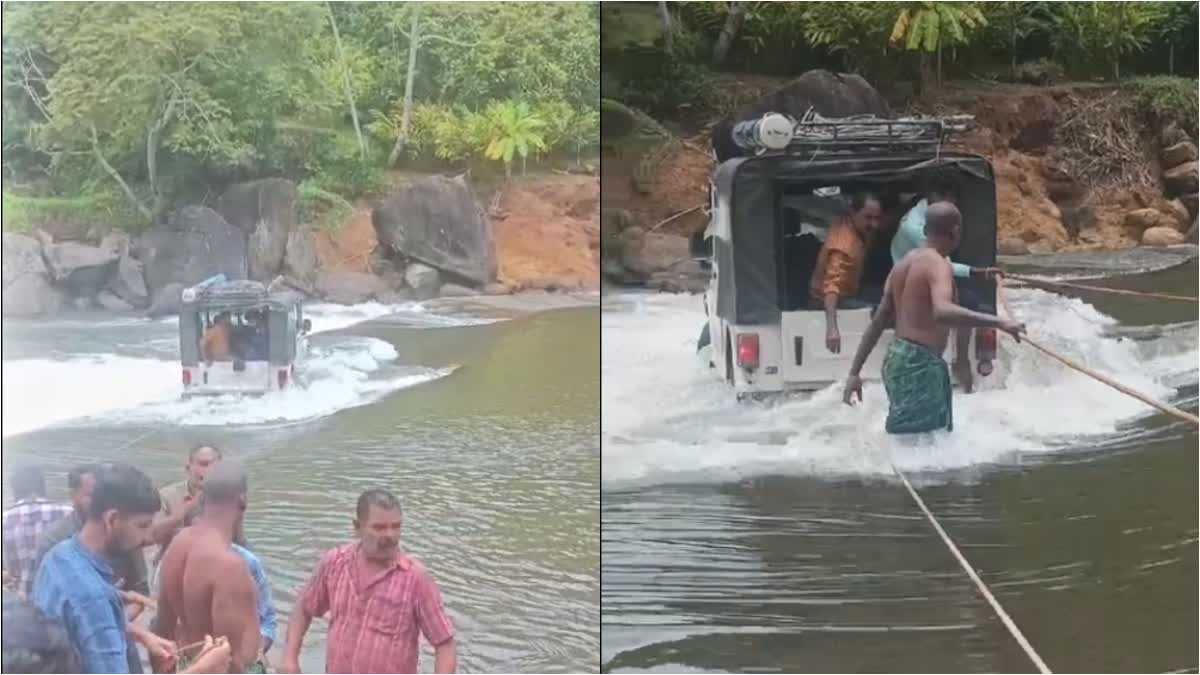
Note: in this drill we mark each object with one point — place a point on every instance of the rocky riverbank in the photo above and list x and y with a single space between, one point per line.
1077 168
429 236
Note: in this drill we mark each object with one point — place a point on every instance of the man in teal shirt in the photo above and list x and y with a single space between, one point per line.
910 235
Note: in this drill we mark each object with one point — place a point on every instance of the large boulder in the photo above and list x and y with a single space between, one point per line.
1162 236
116 243
80 268
829 94
1190 236
167 301
423 280
20 256
300 259
688 277
1145 219
31 295
1191 202
1012 246
1178 154
435 220
1181 180
456 291
108 300
196 244
129 282
349 288
266 211
1179 212
653 253
1172 134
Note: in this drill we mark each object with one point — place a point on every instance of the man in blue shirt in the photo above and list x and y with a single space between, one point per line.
75 581
266 612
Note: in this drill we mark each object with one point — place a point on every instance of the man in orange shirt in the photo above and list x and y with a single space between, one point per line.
214 346
835 281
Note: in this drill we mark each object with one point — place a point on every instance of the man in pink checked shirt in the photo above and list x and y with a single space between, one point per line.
378 600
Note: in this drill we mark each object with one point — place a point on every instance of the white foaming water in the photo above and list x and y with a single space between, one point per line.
39 392
326 318
668 418
113 389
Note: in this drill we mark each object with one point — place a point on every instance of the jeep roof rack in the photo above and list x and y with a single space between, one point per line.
814 133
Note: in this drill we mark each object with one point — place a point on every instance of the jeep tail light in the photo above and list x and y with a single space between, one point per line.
747 350
283 378
187 377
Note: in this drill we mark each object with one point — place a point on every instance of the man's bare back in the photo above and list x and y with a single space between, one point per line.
205 588
911 285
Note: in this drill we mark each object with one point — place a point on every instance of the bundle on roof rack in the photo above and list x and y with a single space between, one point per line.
814 128
814 131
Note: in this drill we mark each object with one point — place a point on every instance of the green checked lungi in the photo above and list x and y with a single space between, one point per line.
918 389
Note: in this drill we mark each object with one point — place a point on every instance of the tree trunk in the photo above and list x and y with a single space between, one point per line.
337 41
1012 68
1171 58
733 23
664 15
922 72
939 64
152 138
1116 69
108 168
414 44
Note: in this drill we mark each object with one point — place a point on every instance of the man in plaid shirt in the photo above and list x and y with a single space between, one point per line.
24 521
379 601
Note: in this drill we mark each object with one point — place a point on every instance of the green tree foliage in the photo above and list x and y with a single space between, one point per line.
854 31
1012 23
929 27
513 130
1105 32
1027 41
1178 25
161 103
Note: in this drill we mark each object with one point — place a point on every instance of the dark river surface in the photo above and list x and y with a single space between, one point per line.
752 538
488 433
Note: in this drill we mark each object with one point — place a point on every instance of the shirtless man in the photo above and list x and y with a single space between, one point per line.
918 299
206 587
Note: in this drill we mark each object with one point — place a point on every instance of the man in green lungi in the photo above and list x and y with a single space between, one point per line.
918 300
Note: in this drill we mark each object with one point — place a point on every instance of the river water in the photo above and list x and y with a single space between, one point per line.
776 538
483 420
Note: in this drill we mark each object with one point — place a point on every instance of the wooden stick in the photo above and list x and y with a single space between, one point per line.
673 217
1164 407
1101 289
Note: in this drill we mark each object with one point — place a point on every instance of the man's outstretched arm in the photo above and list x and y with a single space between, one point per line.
945 311
885 317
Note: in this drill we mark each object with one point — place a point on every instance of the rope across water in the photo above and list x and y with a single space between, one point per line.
983 589
1034 281
1009 624
1070 363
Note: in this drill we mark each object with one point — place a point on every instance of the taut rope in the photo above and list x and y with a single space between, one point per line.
1100 289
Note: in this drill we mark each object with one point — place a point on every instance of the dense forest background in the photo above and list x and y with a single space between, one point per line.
116 113
664 57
